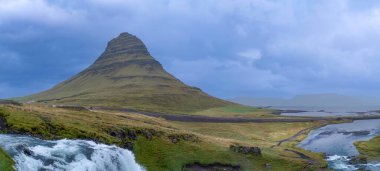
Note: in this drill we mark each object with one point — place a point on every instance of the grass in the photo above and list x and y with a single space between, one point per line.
160 153
174 157
369 149
6 162
236 111
259 134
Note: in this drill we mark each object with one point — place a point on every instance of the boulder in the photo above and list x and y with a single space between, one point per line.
128 145
246 150
131 134
354 160
24 149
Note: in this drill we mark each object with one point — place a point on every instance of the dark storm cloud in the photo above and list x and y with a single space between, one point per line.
228 48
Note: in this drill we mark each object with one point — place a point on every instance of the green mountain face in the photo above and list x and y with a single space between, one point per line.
127 76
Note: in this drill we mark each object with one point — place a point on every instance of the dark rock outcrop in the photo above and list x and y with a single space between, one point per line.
176 138
3 123
147 133
127 145
118 133
24 149
246 150
131 134
354 160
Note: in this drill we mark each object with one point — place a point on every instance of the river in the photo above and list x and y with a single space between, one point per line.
33 154
336 141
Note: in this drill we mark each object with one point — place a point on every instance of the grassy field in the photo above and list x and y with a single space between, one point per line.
236 111
204 143
369 149
6 163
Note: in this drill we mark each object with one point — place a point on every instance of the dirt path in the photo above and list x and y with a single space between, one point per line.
303 156
295 136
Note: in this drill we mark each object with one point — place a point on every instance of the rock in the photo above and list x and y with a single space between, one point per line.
148 136
255 150
128 145
24 149
131 134
357 160
268 165
3 123
174 139
120 134
246 150
113 133
149 133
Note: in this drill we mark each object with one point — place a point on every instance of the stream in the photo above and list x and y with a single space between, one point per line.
33 154
336 141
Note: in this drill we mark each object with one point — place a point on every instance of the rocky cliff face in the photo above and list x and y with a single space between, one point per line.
126 75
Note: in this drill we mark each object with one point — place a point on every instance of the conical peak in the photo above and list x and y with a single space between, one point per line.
122 52
127 44
127 76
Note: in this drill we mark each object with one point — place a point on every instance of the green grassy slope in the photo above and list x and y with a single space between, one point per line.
6 163
159 152
126 75
369 149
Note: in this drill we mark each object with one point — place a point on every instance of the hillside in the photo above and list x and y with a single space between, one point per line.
159 144
126 75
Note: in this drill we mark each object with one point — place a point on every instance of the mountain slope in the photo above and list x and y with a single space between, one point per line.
126 75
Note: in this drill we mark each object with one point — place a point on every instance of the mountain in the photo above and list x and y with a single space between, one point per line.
312 100
126 75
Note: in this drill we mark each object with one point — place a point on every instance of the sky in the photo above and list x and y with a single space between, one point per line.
228 48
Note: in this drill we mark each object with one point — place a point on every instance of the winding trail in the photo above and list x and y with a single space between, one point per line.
294 136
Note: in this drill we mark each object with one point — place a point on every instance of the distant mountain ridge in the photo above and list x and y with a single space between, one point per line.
126 75
323 100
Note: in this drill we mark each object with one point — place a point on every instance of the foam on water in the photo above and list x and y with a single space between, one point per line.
32 154
342 163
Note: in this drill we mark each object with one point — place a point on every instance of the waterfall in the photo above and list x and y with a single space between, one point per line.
33 154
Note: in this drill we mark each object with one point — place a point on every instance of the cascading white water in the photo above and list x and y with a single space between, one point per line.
33 154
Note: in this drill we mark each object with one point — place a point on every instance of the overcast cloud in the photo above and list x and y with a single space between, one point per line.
228 48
